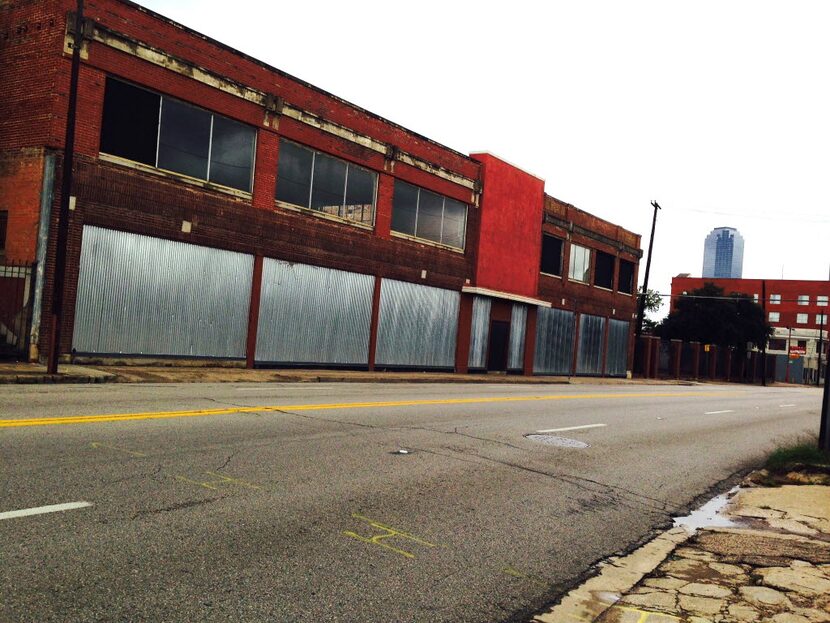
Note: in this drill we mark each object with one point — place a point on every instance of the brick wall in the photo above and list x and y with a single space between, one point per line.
21 178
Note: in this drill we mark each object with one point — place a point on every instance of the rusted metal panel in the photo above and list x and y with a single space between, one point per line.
479 332
417 325
310 314
589 353
518 326
617 351
148 296
554 341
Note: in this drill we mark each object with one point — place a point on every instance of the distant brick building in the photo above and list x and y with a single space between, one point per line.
223 208
796 309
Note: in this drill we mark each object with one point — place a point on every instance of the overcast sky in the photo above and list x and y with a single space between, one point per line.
718 110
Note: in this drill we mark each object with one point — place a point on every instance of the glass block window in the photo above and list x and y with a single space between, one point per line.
774 317
803 299
774 299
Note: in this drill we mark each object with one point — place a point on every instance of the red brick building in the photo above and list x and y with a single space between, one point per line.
223 208
796 309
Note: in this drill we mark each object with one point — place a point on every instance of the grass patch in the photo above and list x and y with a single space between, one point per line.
802 453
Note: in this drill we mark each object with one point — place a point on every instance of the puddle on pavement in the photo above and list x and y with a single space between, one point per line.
710 515
561 442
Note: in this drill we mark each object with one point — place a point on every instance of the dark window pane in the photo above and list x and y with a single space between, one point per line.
232 153
294 174
4 220
430 208
626 282
129 127
328 184
551 255
604 270
184 139
777 344
455 221
404 208
360 195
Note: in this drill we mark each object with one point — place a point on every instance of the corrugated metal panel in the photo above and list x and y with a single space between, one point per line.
554 341
310 314
417 326
518 326
479 332
589 355
147 296
617 358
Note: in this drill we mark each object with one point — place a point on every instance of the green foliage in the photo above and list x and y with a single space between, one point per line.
806 453
653 300
715 318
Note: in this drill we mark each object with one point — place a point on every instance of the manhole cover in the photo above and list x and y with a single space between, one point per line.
561 442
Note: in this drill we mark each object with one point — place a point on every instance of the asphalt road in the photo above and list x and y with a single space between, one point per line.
296 512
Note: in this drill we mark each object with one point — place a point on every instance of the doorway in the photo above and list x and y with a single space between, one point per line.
497 348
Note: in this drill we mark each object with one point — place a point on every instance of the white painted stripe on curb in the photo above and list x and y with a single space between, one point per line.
41 510
786 405
716 412
559 430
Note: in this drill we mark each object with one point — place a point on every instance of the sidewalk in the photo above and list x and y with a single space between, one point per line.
12 372
201 373
771 566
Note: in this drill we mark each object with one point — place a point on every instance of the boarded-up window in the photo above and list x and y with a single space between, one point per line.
604 270
551 255
427 215
162 132
316 181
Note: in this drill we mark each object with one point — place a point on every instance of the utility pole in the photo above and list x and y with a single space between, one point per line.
764 347
56 316
641 307
824 427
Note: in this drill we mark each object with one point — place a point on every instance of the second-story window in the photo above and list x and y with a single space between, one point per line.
421 213
551 255
580 265
625 283
774 299
604 270
316 181
803 299
162 132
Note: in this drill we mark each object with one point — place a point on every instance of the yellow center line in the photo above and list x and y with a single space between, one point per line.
155 415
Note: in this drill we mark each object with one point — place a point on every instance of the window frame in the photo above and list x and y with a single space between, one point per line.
774 299
587 271
777 317
803 299
633 285
597 253
156 169
414 237
307 209
822 300
821 319
802 318
561 255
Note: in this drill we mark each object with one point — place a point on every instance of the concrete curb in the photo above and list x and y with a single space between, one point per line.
51 379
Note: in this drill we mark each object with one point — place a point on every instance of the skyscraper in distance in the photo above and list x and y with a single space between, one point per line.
723 254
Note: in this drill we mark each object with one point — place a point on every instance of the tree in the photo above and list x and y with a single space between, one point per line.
712 317
653 302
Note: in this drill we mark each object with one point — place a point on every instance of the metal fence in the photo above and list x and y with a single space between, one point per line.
16 288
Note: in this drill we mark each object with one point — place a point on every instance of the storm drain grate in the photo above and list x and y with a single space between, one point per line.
560 442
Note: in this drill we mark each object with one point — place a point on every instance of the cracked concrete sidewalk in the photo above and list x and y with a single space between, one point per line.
772 567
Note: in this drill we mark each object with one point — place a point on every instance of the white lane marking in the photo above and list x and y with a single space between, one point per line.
716 412
275 389
786 405
40 510
559 430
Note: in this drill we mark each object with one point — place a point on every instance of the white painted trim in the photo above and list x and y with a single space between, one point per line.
505 295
